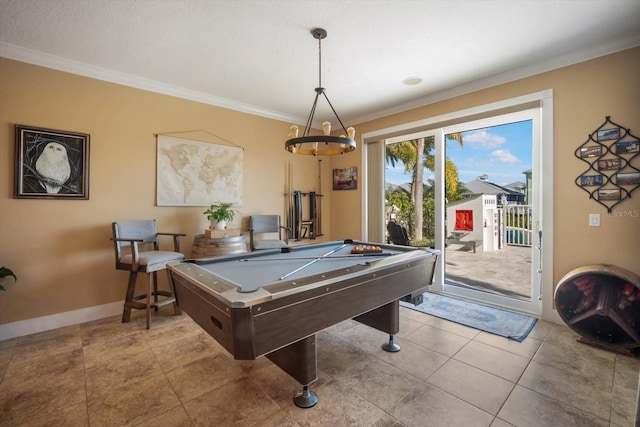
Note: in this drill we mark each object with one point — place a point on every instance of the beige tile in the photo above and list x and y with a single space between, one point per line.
413 359
526 348
37 369
338 405
106 329
540 330
526 408
117 346
471 385
60 336
132 403
364 337
379 382
335 355
43 391
203 375
566 337
493 360
134 376
237 403
8 344
279 385
278 419
500 423
174 417
416 315
592 395
586 363
430 406
173 354
387 421
625 388
72 415
5 358
408 325
111 373
454 328
437 339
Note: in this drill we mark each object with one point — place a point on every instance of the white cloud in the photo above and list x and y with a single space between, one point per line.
504 156
482 139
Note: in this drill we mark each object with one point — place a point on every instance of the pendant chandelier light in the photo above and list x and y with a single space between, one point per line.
324 144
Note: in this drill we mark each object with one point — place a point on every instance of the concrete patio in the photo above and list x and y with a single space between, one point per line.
503 272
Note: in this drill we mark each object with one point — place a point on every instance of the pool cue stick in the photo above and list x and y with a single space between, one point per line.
313 261
316 258
318 231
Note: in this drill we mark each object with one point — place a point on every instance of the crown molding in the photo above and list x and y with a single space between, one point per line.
34 57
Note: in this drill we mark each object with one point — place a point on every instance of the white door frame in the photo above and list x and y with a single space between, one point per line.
543 161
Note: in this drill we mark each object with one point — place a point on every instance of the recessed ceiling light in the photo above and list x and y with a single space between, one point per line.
412 81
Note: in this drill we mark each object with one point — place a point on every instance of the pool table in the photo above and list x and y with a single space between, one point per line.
273 302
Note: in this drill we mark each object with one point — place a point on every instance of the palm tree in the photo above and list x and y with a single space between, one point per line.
416 154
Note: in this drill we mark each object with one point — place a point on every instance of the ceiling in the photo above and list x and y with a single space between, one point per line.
259 56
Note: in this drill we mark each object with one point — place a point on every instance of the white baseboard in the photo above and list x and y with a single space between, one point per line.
59 320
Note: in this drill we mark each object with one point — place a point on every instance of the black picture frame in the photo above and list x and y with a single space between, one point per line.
51 164
591 180
628 178
610 194
627 147
608 134
609 164
591 151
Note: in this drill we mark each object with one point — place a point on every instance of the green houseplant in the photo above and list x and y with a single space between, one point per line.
220 212
5 272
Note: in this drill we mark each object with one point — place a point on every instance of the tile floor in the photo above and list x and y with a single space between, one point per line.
105 373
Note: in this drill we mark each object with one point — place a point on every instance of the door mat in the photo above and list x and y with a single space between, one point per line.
483 317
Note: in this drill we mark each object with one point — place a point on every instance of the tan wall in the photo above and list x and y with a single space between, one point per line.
60 249
583 95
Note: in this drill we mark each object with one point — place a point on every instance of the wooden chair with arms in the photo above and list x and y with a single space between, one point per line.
137 251
261 227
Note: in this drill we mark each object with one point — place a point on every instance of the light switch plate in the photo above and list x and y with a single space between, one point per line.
594 220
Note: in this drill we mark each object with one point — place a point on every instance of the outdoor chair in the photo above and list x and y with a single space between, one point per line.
137 251
397 234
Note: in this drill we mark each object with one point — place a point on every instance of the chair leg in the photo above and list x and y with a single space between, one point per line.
131 289
155 289
150 285
172 289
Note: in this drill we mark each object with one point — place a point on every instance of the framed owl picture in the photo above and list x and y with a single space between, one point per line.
51 164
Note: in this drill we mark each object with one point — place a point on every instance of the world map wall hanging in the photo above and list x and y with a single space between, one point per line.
611 153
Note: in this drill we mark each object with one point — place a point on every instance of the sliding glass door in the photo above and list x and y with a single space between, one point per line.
471 190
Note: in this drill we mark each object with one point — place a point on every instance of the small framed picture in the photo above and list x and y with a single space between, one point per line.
626 147
608 134
608 164
631 178
345 179
591 180
609 194
51 164
592 151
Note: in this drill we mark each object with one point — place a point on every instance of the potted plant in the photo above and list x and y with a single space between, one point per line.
5 272
219 213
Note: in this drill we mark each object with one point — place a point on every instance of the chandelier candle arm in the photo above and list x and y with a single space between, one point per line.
324 144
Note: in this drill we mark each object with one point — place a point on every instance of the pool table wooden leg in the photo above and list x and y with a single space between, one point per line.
300 361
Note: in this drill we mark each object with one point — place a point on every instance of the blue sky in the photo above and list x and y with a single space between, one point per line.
502 152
